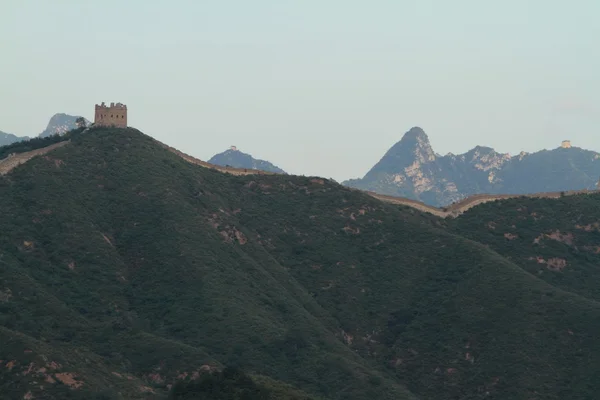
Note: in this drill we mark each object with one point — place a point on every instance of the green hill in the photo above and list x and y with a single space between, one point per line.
126 269
555 240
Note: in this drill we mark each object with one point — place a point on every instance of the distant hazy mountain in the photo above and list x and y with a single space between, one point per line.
235 158
8 138
412 169
59 123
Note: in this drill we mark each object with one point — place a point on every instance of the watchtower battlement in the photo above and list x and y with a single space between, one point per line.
113 115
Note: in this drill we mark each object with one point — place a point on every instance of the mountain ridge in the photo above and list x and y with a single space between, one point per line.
453 210
411 169
237 159
59 123
8 138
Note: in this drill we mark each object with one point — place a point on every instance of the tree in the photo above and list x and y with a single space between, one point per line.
80 122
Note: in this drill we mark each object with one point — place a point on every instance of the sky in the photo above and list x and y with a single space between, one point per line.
316 87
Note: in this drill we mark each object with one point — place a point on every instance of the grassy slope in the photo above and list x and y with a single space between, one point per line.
117 248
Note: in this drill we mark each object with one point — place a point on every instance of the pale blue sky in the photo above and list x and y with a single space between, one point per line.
318 87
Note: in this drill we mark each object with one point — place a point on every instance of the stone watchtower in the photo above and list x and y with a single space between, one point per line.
115 115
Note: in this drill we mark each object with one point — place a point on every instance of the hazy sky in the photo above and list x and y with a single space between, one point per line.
318 87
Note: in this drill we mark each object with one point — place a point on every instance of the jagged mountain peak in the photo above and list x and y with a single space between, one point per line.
411 169
60 123
485 157
414 148
415 137
482 149
416 132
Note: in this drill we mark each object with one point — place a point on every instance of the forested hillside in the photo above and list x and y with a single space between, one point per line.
126 270
556 240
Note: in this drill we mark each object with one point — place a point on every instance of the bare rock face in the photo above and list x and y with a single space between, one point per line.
60 124
412 169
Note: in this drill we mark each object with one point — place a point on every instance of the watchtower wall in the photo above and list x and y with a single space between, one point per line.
113 115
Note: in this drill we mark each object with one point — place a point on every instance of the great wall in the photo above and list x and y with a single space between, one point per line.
453 210
14 160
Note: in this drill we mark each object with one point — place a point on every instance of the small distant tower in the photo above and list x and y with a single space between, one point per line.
233 148
566 144
115 115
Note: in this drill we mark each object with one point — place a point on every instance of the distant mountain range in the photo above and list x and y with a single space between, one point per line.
412 169
8 138
59 123
237 159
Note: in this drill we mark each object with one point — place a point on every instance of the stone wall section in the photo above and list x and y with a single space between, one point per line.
13 160
452 211
456 209
228 170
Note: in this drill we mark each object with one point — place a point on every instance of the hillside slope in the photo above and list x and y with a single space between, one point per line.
556 240
120 234
136 268
412 169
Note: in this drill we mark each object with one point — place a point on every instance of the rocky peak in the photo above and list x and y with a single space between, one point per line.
60 124
411 169
415 132
412 151
418 140
485 158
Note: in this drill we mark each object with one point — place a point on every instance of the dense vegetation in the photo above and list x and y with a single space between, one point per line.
126 270
231 384
556 240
